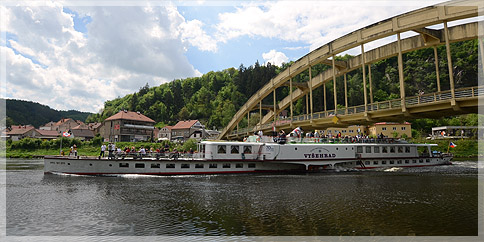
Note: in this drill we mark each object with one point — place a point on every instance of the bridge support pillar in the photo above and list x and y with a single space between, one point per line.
248 123
436 57
363 60
334 89
346 95
290 95
260 114
449 60
310 92
400 74
324 97
370 85
481 48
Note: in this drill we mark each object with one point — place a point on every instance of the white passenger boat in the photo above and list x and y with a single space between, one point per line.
259 154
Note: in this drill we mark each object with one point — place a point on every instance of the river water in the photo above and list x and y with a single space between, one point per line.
441 200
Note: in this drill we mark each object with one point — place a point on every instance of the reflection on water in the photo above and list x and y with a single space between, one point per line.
439 200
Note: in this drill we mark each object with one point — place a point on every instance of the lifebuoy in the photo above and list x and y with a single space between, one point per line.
258 139
245 139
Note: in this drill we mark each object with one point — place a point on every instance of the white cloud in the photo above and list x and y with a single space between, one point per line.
312 22
115 57
48 61
275 57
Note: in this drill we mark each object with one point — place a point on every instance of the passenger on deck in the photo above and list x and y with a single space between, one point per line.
282 137
142 151
103 149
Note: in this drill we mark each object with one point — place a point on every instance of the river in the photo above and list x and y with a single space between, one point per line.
432 201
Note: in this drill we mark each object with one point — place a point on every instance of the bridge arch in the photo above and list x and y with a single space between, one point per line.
417 21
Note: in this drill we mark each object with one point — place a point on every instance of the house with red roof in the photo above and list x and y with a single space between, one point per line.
127 126
184 130
165 133
19 132
45 134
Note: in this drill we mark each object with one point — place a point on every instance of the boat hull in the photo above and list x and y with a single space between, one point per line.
151 166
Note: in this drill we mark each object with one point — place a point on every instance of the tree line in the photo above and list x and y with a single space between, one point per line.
215 97
19 112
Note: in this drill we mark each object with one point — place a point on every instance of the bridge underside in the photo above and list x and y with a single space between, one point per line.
432 110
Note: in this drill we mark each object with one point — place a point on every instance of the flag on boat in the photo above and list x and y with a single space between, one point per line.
452 145
66 134
297 131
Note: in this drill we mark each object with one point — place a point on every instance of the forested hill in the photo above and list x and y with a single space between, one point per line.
26 112
215 97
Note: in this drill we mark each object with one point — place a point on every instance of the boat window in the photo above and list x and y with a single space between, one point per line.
392 149
154 165
414 161
170 165
202 148
123 164
226 165
420 161
384 149
234 149
427 160
251 165
359 149
367 162
383 162
198 165
247 149
212 166
407 149
139 165
400 149
407 161
399 162
221 149
375 162
185 165
392 162
376 149
239 165
368 149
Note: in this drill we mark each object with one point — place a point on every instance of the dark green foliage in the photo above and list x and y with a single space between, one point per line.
97 141
25 112
215 97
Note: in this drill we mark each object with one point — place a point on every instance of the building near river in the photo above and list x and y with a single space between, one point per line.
454 132
127 126
391 130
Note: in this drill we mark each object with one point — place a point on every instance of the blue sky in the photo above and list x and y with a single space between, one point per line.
68 56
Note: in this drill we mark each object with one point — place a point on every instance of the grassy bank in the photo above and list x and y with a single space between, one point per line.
31 149
465 148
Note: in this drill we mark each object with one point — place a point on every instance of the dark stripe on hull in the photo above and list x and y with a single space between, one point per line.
170 173
374 167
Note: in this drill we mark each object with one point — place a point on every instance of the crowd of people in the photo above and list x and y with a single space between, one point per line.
320 136
114 151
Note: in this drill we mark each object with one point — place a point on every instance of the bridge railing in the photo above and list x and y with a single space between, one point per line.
468 92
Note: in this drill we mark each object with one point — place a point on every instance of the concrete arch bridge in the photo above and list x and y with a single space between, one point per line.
434 105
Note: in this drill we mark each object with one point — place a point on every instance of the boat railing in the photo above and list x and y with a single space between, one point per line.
345 140
156 155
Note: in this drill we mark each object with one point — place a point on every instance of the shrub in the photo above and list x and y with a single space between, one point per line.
97 141
191 143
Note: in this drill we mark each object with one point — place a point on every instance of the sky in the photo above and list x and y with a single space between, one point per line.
75 55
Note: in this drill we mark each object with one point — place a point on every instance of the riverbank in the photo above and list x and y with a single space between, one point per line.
465 149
